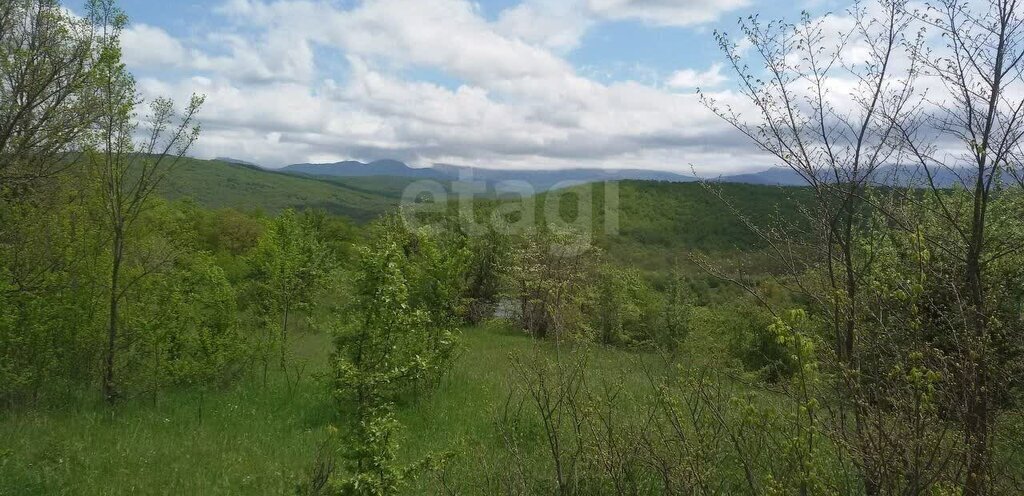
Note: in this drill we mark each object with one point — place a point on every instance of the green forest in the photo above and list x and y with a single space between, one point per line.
172 325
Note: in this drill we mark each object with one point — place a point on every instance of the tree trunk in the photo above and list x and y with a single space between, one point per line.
977 419
284 336
110 392
978 408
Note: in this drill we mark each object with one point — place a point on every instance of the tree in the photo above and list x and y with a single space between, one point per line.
48 91
181 322
129 171
48 105
837 143
944 321
981 68
617 301
549 277
488 264
671 314
52 295
289 264
396 337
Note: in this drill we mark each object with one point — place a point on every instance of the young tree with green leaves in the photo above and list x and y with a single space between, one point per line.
48 105
289 264
549 278
669 313
181 322
952 317
128 169
490 256
397 337
616 303
979 138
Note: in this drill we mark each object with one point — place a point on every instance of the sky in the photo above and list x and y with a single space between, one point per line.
489 83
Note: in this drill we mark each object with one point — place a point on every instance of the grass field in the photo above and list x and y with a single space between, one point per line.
256 439
249 439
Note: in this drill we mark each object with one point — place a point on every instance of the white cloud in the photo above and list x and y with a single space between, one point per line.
690 78
555 25
447 34
665 12
274 56
148 46
560 24
519 103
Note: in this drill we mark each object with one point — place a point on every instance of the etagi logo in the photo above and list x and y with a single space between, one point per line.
515 207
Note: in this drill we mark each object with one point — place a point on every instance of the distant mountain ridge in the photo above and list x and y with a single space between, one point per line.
539 179
545 179
351 168
890 175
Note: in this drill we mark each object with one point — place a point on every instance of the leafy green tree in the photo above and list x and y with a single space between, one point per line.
490 258
48 106
616 304
52 298
128 172
753 342
398 329
289 265
48 91
234 232
669 313
549 280
396 337
183 319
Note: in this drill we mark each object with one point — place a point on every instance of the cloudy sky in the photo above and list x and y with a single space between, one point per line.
493 83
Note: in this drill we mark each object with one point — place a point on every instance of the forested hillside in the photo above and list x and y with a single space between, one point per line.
657 218
659 221
217 184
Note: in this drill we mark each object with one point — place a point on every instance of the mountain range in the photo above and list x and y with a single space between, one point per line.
545 179
538 179
890 175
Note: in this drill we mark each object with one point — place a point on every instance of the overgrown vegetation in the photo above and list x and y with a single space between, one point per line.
634 338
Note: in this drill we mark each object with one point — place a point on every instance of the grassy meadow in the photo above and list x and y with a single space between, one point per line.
255 438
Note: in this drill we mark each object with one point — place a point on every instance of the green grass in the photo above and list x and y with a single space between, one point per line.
462 414
256 439
249 439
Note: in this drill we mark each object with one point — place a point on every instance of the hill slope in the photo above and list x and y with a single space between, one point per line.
218 184
659 221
